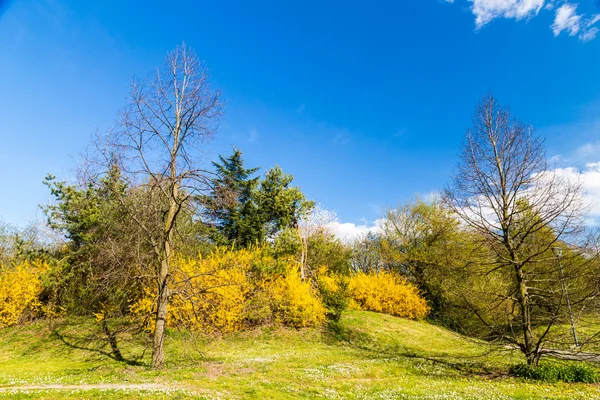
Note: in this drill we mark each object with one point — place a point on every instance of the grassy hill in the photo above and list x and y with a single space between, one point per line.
366 356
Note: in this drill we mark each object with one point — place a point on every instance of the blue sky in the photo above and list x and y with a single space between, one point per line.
365 104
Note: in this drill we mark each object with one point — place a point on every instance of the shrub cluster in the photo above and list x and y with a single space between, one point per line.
207 293
333 289
229 290
293 301
388 293
552 372
20 289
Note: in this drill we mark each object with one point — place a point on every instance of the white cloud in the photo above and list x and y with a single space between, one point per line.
567 19
588 150
589 177
348 232
590 182
589 34
487 10
590 31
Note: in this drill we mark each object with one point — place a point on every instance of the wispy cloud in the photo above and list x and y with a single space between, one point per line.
254 135
588 150
566 17
348 232
487 10
567 20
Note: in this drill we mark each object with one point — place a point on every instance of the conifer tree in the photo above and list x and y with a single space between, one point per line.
245 211
229 205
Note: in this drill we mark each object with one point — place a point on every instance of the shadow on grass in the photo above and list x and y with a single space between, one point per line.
95 343
471 365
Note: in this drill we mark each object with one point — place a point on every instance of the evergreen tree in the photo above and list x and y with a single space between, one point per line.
245 211
280 204
99 265
229 205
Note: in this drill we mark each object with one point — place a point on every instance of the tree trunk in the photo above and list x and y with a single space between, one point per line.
303 251
158 356
528 347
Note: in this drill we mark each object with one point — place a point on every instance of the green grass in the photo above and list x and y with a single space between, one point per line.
587 327
366 356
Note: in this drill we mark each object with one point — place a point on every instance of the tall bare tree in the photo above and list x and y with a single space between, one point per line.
316 221
505 190
158 142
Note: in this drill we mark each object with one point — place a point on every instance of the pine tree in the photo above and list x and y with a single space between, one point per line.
229 206
245 211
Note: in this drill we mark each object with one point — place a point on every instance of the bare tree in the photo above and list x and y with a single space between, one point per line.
368 253
316 221
157 141
505 190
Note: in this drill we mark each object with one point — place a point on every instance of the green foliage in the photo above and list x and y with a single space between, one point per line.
280 204
229 206
244 211
76 210
80 210
258 310
553 372
268 265
420 238
424 242
287 243
6 243
27 244
104 251
324 249
333 290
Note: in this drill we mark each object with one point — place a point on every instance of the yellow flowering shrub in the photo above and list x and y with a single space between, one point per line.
142 310
295 303
388 293
218 296
20 287
229 290
207 294
327 280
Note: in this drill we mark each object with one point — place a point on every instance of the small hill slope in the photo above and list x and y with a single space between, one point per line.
365 356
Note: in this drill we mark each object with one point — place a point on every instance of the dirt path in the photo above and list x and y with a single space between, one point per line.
99 386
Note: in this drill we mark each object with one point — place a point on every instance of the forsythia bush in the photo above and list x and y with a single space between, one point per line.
230 289
20 287
295 303
214 291
208 294
388 293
